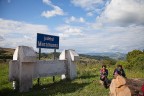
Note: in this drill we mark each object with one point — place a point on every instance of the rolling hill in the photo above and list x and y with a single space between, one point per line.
6 53
117 55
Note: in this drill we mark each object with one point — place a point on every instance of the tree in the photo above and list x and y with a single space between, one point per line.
133 54
125 64
138 62
135 59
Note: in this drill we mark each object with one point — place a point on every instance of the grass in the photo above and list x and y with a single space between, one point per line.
86 83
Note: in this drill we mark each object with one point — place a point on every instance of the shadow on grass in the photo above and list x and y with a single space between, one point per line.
7 92
88 77
61 87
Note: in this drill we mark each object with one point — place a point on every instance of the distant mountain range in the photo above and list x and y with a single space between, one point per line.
8 52
117 55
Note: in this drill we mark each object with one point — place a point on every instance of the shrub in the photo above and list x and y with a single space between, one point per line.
138 62
133 54
125 64
134 60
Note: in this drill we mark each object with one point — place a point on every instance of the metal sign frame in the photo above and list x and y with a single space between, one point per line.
47 41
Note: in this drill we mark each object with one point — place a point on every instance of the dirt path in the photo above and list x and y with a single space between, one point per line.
135 84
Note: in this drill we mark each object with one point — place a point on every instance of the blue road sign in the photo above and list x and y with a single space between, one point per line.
47 41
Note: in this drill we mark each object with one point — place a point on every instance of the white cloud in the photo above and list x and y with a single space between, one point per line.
106 39
120 28
91 6
66 31
82 39
1 38
123 13
17 33
81 19
74 19
122 39
10 26
47 2
90 14
56 10
97 25
87 4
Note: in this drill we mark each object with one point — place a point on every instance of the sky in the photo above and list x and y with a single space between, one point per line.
87 26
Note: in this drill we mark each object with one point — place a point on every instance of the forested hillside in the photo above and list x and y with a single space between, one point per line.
5 54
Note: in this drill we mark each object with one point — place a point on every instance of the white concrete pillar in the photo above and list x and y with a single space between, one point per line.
14 70
71 68
26 75
69 56
14 73
21 68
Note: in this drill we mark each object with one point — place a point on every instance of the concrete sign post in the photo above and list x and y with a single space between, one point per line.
70 56
24 67
21 67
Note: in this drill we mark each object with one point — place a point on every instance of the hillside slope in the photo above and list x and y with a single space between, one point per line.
6 53
117 55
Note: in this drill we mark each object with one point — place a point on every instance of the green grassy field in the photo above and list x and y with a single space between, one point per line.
86 84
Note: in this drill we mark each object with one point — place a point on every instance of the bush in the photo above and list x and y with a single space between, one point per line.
109 62
134 60
125 64
138 62
133 54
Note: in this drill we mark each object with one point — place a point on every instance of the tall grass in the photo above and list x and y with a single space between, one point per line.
86 83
